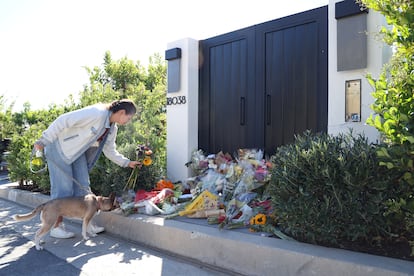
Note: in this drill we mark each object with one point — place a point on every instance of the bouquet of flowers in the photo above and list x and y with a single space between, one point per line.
144 155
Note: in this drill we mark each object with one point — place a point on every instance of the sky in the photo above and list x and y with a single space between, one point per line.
45 45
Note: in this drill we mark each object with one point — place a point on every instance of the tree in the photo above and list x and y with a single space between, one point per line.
6 124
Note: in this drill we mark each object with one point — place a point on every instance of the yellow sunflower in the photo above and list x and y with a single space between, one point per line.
259 219
147 161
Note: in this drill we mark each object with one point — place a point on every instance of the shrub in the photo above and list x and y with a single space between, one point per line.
393 106
18 160
330 190
107 177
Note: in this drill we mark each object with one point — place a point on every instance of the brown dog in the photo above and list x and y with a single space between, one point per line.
74 207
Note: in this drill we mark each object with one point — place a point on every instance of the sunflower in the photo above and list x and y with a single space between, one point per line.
259 219
147 161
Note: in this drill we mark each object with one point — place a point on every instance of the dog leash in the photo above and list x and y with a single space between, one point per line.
38 154
73 179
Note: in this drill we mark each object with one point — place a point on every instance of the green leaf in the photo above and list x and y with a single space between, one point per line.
410 139
378 123
407 176
382 152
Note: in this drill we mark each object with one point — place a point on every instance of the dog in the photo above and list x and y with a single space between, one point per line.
84 208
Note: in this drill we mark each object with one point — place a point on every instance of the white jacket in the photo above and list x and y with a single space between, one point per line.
78 130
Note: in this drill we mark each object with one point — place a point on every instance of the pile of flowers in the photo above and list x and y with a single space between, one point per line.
240 184
227 191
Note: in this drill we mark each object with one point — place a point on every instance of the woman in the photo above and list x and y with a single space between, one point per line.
73 144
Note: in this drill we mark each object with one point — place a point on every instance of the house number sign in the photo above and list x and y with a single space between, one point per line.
176 100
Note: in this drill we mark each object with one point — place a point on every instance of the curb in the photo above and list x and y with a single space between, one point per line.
234 251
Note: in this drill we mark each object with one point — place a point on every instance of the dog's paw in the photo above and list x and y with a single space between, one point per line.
38 247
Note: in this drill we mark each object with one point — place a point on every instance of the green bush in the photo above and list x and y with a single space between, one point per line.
330 190
400 207
394 105
106 177
28 127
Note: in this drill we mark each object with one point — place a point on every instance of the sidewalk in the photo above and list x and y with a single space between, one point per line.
103 255
231 250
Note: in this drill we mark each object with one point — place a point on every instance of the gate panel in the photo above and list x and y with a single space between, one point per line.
227 106
291 79
226 93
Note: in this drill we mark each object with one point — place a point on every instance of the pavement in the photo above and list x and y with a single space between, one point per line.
152 245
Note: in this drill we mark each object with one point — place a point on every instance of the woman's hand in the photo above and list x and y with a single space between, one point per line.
133 164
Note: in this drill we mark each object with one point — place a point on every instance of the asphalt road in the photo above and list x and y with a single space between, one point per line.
101 255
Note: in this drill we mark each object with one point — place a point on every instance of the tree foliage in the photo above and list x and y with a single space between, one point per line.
394 88
394 105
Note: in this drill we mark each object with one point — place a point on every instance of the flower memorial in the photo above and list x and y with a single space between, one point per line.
228 191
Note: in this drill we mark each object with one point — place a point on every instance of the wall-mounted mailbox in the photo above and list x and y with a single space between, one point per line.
353 101
173 56
351 20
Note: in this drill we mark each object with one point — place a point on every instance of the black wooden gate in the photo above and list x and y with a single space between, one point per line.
261 85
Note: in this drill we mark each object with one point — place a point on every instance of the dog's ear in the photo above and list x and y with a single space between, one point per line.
112 196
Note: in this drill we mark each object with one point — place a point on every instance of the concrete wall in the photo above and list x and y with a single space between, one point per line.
182 112
378 54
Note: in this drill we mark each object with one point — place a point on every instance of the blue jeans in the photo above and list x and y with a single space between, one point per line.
66 180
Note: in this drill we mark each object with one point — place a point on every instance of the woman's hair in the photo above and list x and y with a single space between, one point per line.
124 104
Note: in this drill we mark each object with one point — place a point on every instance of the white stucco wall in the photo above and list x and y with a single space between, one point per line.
378 54
182 119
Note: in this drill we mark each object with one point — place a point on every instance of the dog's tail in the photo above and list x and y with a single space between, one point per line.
29 215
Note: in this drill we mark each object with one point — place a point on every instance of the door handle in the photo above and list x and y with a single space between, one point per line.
268 109
242 111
